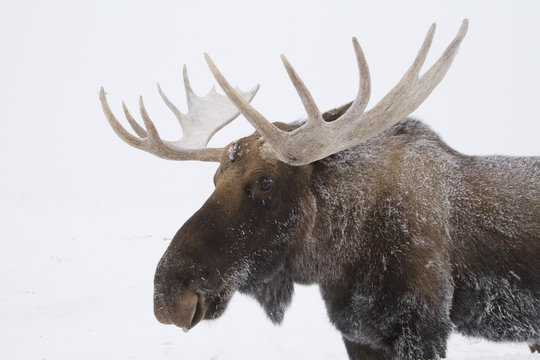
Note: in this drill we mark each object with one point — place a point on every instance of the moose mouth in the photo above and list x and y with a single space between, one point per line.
189 308
185 311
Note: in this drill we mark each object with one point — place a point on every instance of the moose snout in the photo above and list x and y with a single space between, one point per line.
184 309
186 281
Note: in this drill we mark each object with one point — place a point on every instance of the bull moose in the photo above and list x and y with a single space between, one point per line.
407 238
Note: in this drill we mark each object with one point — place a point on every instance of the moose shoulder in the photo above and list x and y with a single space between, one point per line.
407 238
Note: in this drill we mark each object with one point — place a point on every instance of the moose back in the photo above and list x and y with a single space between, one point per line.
407 238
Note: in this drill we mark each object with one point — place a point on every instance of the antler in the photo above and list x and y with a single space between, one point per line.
206 115
317 139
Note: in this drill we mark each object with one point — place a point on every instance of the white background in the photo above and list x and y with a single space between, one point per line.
85 218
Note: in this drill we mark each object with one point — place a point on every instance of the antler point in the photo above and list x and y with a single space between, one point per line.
286 62
464 27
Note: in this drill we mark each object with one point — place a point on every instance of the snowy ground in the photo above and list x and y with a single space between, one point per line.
81 288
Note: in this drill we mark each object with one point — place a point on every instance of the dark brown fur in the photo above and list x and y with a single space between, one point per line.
407 239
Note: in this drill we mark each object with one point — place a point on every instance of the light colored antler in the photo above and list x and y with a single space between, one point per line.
317 139
206 115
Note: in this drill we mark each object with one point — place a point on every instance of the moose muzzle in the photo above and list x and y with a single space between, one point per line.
184 309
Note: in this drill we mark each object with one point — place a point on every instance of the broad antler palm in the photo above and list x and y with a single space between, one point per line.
206 115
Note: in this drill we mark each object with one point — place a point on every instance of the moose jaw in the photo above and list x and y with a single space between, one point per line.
407 238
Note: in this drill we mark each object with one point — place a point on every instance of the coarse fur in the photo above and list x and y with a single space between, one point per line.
407 239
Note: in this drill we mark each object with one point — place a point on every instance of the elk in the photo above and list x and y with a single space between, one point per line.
407 238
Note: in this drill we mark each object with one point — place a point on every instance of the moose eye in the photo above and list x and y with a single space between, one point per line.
265 185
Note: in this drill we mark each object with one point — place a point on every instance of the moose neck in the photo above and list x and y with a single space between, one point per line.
362 191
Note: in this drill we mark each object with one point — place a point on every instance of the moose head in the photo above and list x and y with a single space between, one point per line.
277 217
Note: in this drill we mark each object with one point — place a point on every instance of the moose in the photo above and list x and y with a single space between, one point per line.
407 238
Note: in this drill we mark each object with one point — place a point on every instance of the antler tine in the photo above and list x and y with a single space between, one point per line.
418 62
364 91
153 135
187 84
171 106
134 124
314 115
118 129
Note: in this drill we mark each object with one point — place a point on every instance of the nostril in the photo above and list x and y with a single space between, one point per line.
162 317
182 309
160 311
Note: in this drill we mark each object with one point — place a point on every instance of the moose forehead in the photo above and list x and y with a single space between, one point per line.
243 157
247 155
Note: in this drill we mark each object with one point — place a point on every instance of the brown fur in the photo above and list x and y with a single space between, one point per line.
406 238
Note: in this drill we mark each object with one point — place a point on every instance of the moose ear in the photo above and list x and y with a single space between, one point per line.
275 296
